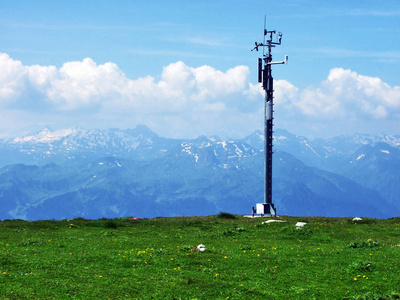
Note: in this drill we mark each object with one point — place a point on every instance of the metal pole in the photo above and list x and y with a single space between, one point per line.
268 130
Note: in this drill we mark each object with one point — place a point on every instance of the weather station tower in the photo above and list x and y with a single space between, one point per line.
271 39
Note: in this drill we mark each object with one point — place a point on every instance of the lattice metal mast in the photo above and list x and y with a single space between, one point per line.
271 39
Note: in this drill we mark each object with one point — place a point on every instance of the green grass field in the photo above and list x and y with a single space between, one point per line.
330 258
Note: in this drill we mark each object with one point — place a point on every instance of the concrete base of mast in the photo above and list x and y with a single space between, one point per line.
265 209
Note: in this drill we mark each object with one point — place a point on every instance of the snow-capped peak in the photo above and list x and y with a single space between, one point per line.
46 136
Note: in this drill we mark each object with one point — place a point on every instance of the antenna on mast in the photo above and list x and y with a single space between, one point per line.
265 26
270 39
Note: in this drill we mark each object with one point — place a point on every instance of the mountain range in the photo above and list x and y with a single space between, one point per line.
113 173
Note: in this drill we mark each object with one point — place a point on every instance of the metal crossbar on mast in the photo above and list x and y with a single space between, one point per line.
271 39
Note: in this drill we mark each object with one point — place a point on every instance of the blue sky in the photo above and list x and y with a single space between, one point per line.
184 68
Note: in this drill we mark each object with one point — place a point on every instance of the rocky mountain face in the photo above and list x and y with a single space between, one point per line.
112 173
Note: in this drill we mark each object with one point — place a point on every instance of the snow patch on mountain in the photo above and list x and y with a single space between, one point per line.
311 148
279 138
238 151
223 144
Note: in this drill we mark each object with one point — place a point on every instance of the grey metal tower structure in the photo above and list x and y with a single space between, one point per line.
271 39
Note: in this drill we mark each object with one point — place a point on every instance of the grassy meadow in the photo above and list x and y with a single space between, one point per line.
330 258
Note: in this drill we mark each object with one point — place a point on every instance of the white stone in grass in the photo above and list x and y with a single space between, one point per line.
201 248
357 219
300 224
272 221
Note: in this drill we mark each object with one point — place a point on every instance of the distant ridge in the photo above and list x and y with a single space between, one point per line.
111 173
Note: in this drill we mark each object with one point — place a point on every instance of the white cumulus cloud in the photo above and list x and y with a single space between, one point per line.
85 83
346 94
186 101
11 78
345 102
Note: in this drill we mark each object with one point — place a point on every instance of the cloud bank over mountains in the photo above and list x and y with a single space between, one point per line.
184 101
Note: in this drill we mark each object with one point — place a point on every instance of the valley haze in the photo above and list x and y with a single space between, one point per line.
134 172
